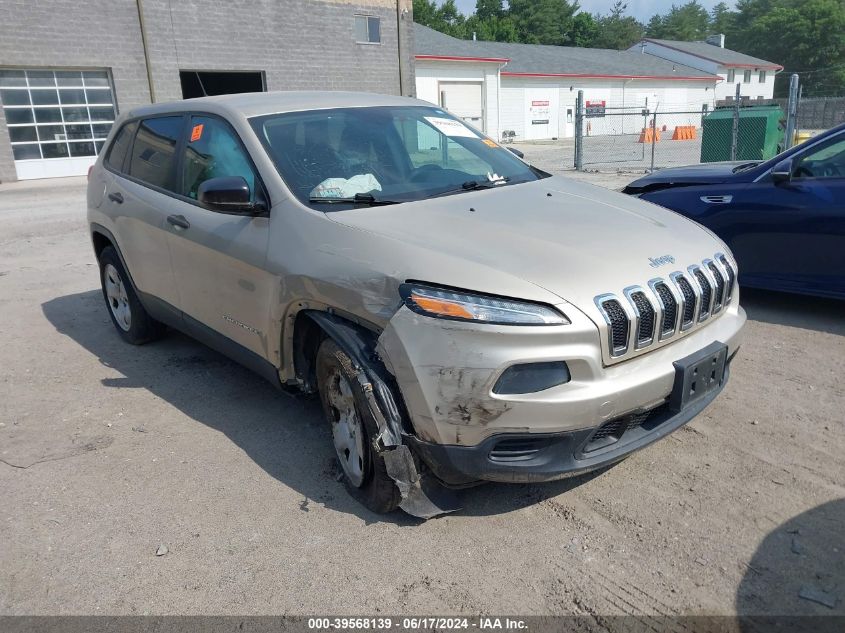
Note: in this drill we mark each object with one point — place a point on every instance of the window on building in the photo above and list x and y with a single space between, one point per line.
367 29
747 77
201 83
57 113
154 151
214 151
731 76
761 77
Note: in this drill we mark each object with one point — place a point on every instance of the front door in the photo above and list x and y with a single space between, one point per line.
792 235
541 113
218 258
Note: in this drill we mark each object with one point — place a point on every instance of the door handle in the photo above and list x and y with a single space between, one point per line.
116 197
179 220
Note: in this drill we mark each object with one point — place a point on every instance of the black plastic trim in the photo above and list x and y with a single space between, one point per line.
562 457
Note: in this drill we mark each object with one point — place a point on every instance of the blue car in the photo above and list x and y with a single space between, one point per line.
784 218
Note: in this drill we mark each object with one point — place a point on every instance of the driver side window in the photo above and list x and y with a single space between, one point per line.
825 161
214 151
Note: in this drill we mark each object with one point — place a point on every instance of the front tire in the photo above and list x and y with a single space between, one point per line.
353 429
130 319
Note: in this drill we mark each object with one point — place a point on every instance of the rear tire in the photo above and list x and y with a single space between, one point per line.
353 429
131 321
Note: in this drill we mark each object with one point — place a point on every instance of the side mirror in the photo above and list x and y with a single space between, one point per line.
515 151
782 172
229 194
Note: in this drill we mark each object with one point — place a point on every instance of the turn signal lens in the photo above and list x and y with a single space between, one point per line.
451 304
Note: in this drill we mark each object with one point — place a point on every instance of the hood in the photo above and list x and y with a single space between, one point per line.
706 173
572 239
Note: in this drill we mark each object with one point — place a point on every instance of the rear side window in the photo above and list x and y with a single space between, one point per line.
153 157
213 151
117 152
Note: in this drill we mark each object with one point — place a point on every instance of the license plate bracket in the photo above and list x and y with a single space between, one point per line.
698 375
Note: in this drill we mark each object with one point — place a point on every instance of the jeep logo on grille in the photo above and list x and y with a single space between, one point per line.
656 262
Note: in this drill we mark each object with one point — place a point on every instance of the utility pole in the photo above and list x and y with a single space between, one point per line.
579 131
791 112
735 131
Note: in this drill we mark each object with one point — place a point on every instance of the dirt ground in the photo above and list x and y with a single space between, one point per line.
108 452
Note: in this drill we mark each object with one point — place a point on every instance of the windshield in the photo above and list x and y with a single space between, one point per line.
349 156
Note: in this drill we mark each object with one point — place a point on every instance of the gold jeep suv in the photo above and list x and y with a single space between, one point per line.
463 315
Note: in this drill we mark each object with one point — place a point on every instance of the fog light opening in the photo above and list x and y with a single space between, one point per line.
532 377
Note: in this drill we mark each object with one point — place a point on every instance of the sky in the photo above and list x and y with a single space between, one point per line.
641 9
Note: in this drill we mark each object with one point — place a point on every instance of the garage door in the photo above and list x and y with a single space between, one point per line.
463 100
57 119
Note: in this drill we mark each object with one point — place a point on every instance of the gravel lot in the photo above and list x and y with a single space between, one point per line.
108 452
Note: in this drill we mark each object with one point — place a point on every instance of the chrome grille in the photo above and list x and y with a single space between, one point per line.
729 288
618 324
689 301
670 309
706 291
666 307
645 318
720 286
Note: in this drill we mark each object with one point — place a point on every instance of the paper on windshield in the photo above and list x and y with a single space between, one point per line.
450 127
346 187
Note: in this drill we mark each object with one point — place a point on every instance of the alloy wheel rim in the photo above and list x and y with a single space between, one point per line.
347 432
117 298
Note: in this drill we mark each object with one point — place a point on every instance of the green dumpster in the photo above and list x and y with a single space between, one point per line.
758 137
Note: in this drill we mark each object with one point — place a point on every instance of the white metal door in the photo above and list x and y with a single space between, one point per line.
464 99
57 119
541 113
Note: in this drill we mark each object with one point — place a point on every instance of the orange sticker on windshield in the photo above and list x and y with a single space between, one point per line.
196 133
489 143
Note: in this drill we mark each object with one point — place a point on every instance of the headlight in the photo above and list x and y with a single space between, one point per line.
454 304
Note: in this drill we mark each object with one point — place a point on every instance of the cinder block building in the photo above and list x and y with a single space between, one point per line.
68 68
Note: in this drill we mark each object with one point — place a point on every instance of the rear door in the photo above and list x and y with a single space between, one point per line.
139 197
218 258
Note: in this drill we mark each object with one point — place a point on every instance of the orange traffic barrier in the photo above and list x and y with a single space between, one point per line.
684 133
649 135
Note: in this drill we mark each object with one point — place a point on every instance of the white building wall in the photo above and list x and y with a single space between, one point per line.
724 89
753 90
677 102
430 74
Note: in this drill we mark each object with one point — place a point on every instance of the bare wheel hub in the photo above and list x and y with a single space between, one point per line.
117 298
347 432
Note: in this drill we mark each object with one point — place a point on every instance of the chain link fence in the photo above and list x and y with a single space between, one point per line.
620 137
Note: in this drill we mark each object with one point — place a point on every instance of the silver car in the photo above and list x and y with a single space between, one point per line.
463 315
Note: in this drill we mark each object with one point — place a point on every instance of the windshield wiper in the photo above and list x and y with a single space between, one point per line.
367 199
474 185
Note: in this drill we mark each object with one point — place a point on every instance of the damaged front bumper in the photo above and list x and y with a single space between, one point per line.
538 457
447 372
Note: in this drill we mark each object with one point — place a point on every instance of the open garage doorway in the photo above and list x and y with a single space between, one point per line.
201 83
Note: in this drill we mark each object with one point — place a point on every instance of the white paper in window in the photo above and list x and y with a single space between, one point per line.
451 127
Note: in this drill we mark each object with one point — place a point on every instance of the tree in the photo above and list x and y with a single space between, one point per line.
687 22
617 30
806 37
445 18
489 9
722 19
542 21
583 31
